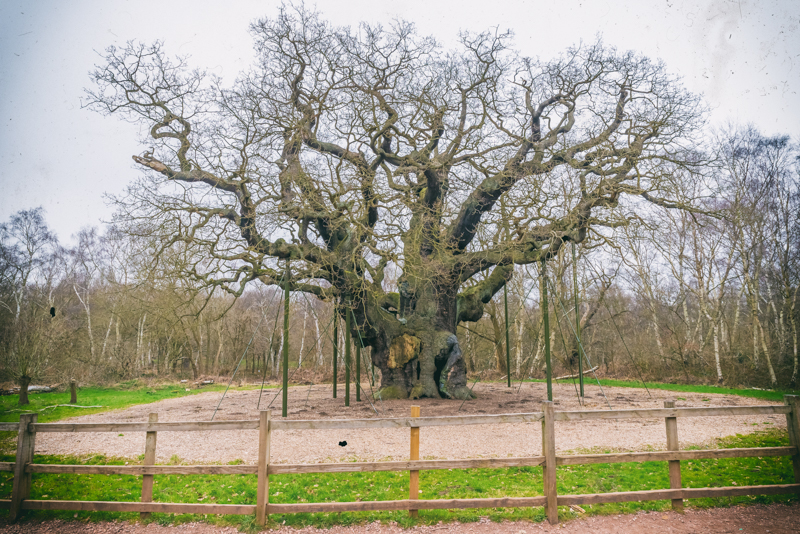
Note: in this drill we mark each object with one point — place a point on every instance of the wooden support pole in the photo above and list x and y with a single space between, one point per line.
149 459
262 488
674 465
413 486
549 468
508 347
793 426
577 317
347 359
335 347
285 398
73 392
546 320
26 441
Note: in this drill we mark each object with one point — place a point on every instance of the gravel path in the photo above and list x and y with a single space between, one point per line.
313 402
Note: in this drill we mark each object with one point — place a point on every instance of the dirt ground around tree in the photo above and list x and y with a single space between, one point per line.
477 441
773 519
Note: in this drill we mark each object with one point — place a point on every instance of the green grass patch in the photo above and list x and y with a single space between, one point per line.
766 394
124 395
113 398
445 484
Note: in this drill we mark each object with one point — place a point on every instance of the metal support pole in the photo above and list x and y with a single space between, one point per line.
577 317
347 361
358 367
285 399
546 321
508 347
335 347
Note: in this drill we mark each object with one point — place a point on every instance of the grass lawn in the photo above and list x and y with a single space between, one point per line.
124 395
121 396
766 394
112 398
445 484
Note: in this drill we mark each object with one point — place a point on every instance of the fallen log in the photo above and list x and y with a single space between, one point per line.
593 369
67 406
31 389
29 410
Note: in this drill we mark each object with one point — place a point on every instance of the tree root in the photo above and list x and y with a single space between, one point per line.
462 393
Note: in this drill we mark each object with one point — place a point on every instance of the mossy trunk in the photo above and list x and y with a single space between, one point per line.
416 347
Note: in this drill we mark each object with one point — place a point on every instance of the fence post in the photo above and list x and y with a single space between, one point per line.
262 492
149 459
413 486
549 469
674 465
26 441
793 426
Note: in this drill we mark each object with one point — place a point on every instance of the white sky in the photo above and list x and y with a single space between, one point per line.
743 56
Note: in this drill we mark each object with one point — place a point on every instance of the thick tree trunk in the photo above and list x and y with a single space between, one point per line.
193 364
519 323
219 349
716 353
417 351
499 340
772 377
302 339
319 360
24 382
793 381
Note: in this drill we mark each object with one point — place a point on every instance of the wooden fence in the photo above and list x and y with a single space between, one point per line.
28 427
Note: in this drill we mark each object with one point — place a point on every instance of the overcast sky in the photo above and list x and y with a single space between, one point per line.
743 56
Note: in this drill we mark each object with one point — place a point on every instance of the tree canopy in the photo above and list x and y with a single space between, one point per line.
357 153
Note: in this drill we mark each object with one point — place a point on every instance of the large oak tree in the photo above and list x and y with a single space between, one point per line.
360 154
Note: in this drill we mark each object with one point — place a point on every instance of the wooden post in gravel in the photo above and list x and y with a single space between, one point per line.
149 459
262 489
413 486
793 427
26 441
674 465
549 468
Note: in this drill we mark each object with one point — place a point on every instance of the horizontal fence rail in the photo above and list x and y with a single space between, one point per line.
23 468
